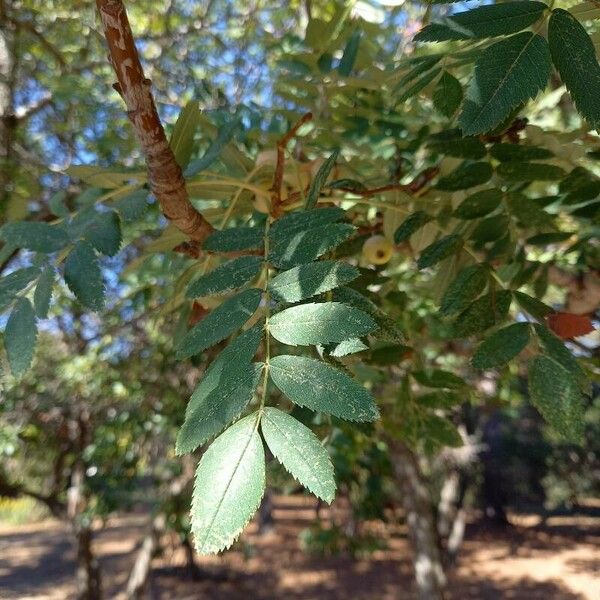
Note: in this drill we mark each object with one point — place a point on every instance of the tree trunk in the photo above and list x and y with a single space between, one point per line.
88 569
8 120
422 532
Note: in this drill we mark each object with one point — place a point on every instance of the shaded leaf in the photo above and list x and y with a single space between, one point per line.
220 407
555 393
14 282
349 56
411 225
84 277
220 323
519 152
226 277
482 314
479 204
574 56
502 346
308 280
43 292
536 308
447 95
508 73
40 237
484 21
104 232
466 175
467 285
438 378
234 239
20 336
439 250
320 387
319 181
520 171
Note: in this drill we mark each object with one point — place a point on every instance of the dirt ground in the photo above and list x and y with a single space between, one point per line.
555 560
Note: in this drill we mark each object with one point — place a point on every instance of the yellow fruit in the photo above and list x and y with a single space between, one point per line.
377 250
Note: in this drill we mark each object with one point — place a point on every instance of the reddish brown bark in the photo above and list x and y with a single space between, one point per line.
166 178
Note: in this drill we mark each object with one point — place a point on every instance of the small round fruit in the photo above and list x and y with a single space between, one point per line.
378 250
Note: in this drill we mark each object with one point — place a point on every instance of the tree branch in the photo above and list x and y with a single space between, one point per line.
166 178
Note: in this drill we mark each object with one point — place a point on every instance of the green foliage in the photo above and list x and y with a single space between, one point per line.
84 277
502 346
448 95
574 56
443 248
319 323
20 336
300 452
319 181
235 239
13 283
230 482
220 323
411 225
467 285
321 387
41 237
43 292
508 73
484 21
305 281
479 204
465 176
556 394
226 277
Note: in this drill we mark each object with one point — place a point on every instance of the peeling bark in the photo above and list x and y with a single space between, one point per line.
166 178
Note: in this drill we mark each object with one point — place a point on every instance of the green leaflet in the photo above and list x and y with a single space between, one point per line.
220 323
555 348
482 314
43 292
319 181
520 171
14 282
234 239
420 84
574 56
351 346
439 250
437 378
440 399
490 229
57 205
40 237
518 152
239 352
186 126
556 394
319 323
508 73
220 407
479 204
459 147
546 239
536 308
298 221
502 346
411 225
224 136
299 450
84 277
229 485
437 432
321 387
307 245
20 336
349 56
483 22
132 206
308 280
104 232
390 354
467 285
447 95
466 175
226 277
